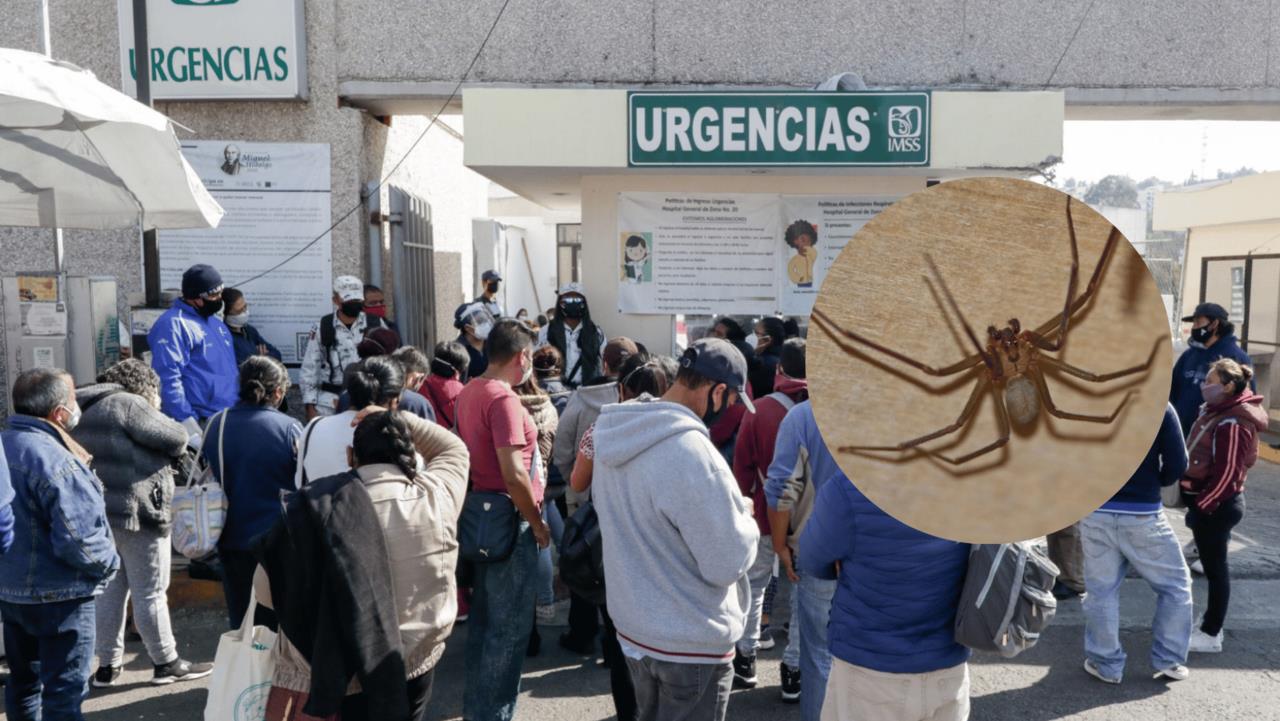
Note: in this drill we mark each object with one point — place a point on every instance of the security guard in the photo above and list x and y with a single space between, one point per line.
331 347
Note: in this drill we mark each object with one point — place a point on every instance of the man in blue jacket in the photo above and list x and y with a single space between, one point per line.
62 558
1130 530
893 618
1212 337
194 354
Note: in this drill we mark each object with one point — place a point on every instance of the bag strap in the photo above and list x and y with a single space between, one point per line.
1195 440
222 435
246 624
783 400
86 406
302 452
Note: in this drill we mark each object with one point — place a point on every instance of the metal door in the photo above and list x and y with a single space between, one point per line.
413 269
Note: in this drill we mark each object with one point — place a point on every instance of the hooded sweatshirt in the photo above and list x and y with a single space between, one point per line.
1224 452
753 453
677 534
1190 370
583 407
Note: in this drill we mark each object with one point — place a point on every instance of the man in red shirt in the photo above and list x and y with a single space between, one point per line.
752 455
502 439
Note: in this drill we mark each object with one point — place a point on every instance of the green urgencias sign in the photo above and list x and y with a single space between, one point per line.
791 128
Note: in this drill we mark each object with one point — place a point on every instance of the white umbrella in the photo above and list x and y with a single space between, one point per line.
75 153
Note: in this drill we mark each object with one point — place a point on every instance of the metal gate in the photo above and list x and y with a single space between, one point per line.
413 269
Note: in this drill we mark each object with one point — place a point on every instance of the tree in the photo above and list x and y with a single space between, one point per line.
1118 191
1153 180
1243 171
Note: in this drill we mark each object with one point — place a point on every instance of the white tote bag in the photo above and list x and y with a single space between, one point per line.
242 670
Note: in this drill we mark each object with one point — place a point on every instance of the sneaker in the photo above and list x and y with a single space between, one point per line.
462 618
1202 642
1062 592
1197 567
1191 551
180 670
790 684
106 676
1094 672
1176 672
744 670
766 639
546 613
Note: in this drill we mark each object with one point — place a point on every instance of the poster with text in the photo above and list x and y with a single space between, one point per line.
703 253
814 231
277 200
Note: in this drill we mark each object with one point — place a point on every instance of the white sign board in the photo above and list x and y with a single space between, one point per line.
219 49
276 196
748 253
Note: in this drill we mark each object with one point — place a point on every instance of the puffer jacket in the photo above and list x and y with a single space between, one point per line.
1223 445
546 420
419 518
133 446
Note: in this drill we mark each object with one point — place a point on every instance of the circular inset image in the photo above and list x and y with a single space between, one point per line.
989 360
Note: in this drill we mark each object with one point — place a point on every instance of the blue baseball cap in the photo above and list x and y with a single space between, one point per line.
718 360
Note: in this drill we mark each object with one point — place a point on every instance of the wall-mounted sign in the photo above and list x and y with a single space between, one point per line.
219 49
790 129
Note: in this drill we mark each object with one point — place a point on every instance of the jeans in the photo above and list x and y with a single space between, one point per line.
498 631
355 708
1212 533
667 691
620 683
1113 542
237 586
144 575
810 612
50 649
546 567
1064 551
759 574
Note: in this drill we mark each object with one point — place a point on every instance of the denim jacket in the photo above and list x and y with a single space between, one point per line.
62 546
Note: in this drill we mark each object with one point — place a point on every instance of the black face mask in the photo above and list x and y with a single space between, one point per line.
709 417
1201 334
577 309
352 308
492 286
209 307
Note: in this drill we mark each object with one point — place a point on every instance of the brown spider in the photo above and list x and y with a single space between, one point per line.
1011 362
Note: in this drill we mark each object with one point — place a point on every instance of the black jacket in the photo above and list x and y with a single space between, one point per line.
330 576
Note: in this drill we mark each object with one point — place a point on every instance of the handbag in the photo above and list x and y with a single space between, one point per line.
199 505
242 671
487 527
582 555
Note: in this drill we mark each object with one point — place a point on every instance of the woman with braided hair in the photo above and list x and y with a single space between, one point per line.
416 508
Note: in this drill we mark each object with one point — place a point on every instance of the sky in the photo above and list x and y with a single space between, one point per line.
1168 149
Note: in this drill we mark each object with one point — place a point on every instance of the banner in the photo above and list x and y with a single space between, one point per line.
682 253
748 253
277 200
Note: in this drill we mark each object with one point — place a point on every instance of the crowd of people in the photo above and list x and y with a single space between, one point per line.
422 492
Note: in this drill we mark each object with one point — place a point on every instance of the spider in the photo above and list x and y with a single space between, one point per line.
1010 363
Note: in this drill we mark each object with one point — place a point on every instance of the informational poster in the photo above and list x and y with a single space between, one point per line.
684 253
276 196
815 229
749 253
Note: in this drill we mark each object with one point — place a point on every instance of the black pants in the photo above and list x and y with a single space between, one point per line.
1212 533
620 683
237 584
584 622
354 707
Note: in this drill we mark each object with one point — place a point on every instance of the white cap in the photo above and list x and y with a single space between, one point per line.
572 288
349 287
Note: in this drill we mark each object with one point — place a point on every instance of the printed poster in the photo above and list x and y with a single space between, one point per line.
277 199
749 253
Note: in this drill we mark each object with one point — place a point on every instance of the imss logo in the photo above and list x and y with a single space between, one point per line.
904 128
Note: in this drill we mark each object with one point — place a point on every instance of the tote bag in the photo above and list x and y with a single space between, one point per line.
242 669
199 507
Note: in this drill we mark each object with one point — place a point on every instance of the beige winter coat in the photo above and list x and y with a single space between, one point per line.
546 420
419 519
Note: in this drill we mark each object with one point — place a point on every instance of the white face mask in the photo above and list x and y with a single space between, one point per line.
528 373
74 420
238 321
481 331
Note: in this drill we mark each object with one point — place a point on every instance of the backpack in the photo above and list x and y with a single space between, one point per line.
329 338
582 555
199 506
1007 599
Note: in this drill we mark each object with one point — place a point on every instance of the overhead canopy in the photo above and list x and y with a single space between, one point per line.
75 153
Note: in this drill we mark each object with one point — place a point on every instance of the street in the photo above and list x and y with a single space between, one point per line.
1043 684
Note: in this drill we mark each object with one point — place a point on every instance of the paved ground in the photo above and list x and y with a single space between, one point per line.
1043 684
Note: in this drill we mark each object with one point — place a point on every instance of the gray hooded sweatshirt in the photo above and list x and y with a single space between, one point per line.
578 415
678 534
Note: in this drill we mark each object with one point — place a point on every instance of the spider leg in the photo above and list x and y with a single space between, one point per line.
835 332
1083 299
970 407
1067 415
1061 339
955 308
1102 377
1002 418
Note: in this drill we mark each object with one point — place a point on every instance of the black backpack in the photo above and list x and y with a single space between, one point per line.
582 555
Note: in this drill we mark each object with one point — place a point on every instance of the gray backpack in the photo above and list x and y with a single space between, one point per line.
1007 600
